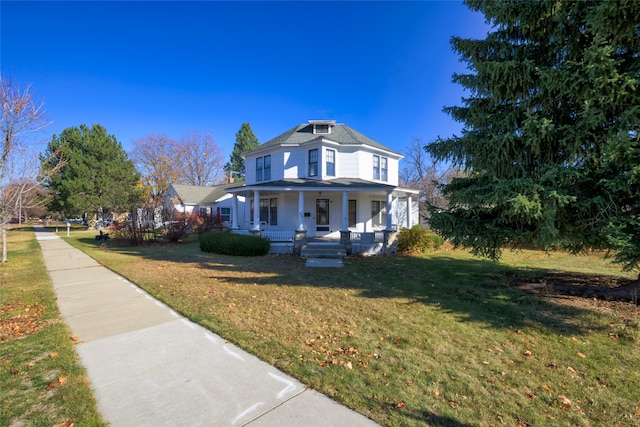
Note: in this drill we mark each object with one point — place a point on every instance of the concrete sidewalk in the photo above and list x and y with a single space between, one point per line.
148 366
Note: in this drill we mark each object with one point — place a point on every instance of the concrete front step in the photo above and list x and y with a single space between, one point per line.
323 251
324 262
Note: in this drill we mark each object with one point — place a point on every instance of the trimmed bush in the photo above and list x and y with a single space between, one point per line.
226 243
418 240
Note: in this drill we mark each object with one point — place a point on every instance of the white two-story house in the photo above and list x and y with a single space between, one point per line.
324 179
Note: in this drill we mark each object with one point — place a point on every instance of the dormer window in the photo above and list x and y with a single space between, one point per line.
322 127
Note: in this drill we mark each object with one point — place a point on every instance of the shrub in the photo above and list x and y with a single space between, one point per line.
210 223
127 232
226 243
417 240
181 226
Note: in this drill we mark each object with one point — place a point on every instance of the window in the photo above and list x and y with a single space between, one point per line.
273 211
313 162
378 213
331 163
267 168
380 168
204 212
376 167
383 168
259 168
352 213
268 211
322 129
322 211
264 210
224 214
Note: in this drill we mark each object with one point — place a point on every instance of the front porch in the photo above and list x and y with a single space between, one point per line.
363 216
351 242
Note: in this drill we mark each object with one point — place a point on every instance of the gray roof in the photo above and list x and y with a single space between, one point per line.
201 196
340 133
332 185
339 184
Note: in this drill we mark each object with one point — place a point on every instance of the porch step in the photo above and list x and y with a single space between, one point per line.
324 262
336 251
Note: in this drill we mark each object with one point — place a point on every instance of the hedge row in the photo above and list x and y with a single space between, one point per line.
226 243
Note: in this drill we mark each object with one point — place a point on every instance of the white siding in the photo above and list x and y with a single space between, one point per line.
351 162
295 163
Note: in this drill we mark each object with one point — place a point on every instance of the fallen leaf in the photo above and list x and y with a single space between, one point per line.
348 365
566 403
53 354
74 338
582 355
400 405
454 405
571 369
62 379
527 353
530 394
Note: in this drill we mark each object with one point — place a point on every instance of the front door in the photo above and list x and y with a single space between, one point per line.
322 217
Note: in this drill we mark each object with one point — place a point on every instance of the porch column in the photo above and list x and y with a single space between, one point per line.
389 214
409 211
301 234
345 211
234 211
256 211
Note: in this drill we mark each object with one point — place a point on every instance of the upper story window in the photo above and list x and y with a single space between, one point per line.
313 162
263 168
259 168
331 162
376 167
267 168
380 168
383 168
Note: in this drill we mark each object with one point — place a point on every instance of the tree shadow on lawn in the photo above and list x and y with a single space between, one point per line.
476 290
471 289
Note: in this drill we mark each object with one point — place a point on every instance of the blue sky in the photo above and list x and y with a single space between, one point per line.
160 67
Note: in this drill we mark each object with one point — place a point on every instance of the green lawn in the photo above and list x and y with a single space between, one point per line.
440 339
41 381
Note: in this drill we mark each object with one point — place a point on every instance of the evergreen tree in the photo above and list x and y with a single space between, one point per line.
98 175
550 142
245 142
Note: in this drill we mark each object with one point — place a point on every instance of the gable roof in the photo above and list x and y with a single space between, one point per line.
340 133
201 196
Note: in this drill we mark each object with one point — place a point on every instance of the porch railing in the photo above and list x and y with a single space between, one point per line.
367 237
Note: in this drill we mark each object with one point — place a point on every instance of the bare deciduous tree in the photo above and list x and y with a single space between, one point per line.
200 160
155 157
420 171
20 176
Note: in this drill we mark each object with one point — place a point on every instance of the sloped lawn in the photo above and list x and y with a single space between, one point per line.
441 339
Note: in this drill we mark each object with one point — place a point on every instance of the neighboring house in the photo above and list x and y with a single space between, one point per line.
323 179
205 201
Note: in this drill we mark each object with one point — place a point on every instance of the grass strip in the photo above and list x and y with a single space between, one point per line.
41 380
